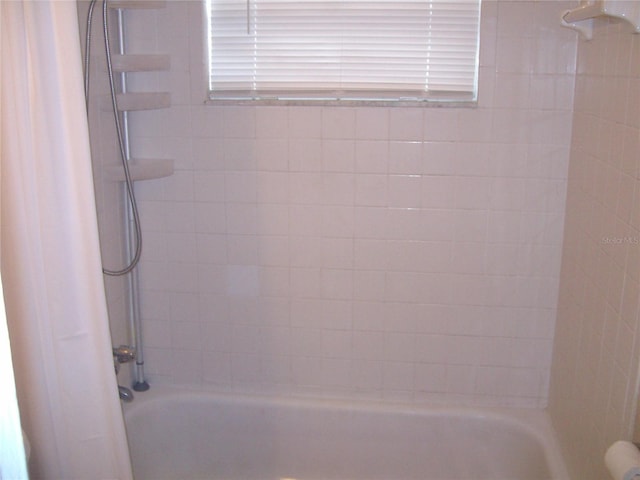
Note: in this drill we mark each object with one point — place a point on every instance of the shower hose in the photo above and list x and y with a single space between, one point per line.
118 124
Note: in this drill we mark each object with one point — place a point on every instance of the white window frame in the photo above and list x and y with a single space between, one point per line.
243 15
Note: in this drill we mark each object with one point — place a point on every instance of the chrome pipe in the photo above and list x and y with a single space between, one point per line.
131 234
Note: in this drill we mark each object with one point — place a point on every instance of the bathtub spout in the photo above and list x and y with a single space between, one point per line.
126 395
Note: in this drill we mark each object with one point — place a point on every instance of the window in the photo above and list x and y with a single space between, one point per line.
374 50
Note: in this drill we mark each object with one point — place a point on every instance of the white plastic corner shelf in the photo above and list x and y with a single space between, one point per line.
581 18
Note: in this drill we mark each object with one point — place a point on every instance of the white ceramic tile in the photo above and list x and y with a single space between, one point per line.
240 187
405 157
335 372
371 222
338 189
397 376
468 257
272 154
305 122
179 187
154 303
336 343
185 335
371 190
305 220
338 155
405 191
368 285
475 125
418 287
305 155
472 159
338 122
305 312
368 315
438 158
371 156
277 369
337 283
372 123
305 341
306 188
183 278
272 187
337 314
437 191
242 249
209 187
441 126
210 218
239 122
157 334
272 122
469 289
246 369
416 224
211 279
512 89
336 221
430 378
337 253
307 370
470 226
472 193
208 153
242 218
305 282
240 153
461 379
306 251
406 124
514 54
179 217
366 374
187 366
400 347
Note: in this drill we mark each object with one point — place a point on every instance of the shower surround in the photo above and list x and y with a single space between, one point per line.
400 254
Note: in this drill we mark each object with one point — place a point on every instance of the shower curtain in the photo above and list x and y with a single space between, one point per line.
49 251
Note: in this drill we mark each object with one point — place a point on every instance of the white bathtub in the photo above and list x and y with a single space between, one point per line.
200 435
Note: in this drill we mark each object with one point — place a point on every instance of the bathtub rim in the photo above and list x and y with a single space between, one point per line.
534 422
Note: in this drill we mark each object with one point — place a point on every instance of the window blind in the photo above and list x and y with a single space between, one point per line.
343 49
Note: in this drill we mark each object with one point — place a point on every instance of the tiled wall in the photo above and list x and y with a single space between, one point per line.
595 363
407 254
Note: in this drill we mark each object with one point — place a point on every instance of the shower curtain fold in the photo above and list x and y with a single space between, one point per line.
49 250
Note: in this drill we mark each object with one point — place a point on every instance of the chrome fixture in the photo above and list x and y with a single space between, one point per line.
124 353
126 395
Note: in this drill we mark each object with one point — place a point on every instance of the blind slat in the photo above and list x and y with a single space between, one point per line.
410 47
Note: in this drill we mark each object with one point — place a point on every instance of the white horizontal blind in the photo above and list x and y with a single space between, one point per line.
343 49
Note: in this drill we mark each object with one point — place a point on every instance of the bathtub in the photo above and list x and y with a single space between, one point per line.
200 435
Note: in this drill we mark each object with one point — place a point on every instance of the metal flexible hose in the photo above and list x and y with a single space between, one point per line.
123 155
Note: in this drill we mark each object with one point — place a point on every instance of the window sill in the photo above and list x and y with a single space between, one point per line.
342 103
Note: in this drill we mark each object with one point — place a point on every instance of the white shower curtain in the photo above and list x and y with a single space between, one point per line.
51 269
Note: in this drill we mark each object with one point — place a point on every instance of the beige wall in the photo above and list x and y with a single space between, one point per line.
595 360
